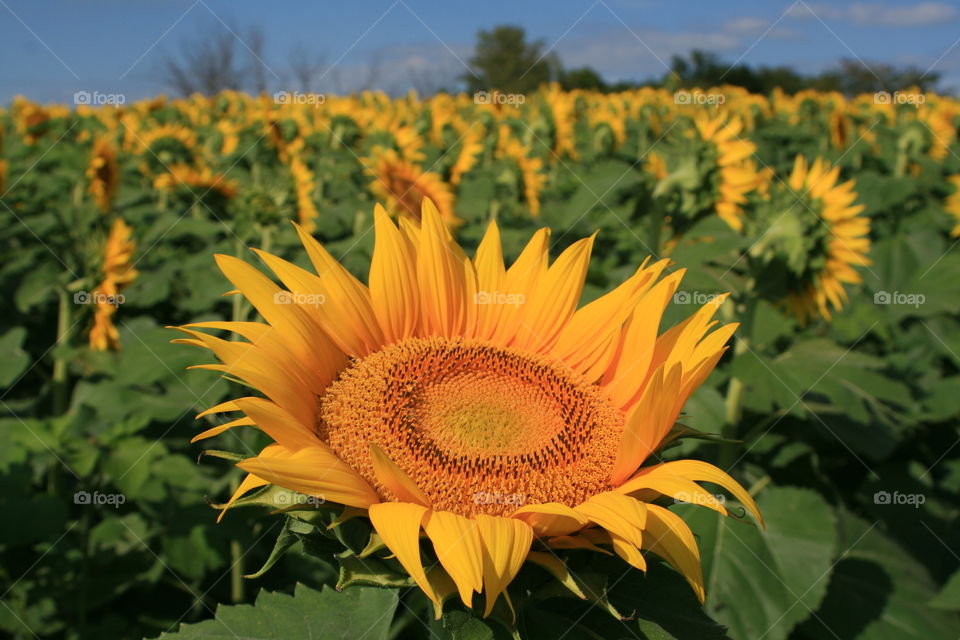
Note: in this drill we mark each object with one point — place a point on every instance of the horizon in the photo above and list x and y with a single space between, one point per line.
58 48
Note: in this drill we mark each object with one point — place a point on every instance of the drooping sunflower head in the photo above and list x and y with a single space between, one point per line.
736 173
404 186
118 272
475 402
103 173
200 181
810 239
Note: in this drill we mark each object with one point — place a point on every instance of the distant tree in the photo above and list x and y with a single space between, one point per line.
216 61
504 60
851 77
582 78
307 69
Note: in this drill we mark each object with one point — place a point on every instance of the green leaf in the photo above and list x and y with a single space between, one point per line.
763 583
355 613
878 592
13 359
949 597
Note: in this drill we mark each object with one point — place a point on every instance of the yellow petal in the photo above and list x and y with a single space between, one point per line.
394 478
551 518
506 542
617 513
456 542
441 276
668 536
555 299
393 280
697 471
316 472
398 524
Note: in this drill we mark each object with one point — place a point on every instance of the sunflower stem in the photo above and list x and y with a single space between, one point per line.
733 405
656 225
236 551
60 362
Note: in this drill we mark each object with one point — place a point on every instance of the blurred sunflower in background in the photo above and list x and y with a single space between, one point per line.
103 173
952 203
404 186
810 239
448 377
118 272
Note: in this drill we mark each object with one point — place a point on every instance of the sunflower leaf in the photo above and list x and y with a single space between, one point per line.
359 612
763 583
370 572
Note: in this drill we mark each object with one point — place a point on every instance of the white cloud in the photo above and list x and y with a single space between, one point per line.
876 14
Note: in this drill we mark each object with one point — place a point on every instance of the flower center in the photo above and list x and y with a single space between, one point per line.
478 428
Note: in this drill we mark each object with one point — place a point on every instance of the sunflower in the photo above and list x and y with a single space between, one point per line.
737 173
118 272
404 186
103 173
470 152
530 168
204 178
474 402
811 232
305 183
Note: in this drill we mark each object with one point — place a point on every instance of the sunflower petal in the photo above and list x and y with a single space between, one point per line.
315 472
394 478
398 524
456 542
506 542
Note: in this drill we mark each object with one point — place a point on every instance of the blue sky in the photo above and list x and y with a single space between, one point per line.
53 48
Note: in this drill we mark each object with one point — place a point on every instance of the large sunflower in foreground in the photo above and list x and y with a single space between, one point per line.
473 402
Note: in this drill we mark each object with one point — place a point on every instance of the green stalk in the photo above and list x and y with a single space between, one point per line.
733 404
237 587
60 363
655 229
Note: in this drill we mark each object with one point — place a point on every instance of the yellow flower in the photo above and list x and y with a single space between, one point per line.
304 183
103 173
738 174
531 168
472 401
470 150
203 178
118 272
847 242
404 186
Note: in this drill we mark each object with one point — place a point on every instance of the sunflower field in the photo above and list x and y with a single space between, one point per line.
552 365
